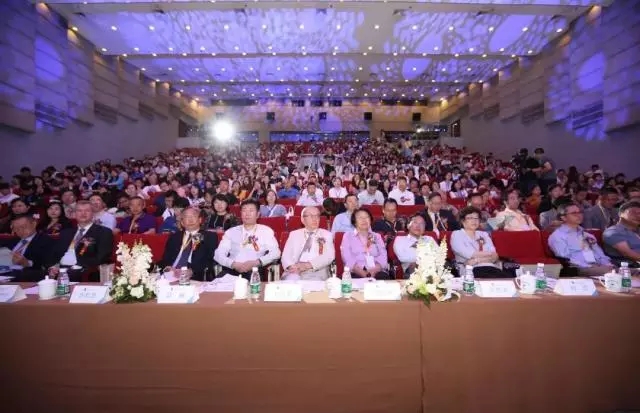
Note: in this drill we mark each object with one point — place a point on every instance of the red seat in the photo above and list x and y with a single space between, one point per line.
235 210
287 202
337 241
277 224
457 203
296 222
596 233
156 242
544 235
409 210
374 209
393 258
524 247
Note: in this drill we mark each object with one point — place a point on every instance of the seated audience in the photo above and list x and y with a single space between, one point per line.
436 218
342 221
390 223
401 194
289 192
363 251
247 245
337 191
423 197
603 214
512 218
55 221
549 220
100 214
17 207
534 199
309 251
139 222
191 247
82 249
312 196
622 241
554 192
30 250
474 247
221 219
571 242
405 246
68 197
172 223
371 195
6 195
271 208
478 200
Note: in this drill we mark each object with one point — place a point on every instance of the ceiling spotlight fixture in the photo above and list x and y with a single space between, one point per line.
187 27
144 69
213 54
384 95
468 69
424 55
103 49
495 69
125 55
171 49
257 80
226 27
223 69
480 81
157 80
456 81
224 90
197 69
491 28
202 90
436 48
357 80
154 54
251 69
484 55
152 28
346 94
264 27
414 27
393 90
301 27
136 49
338 27
273 54
170 69
333 68
444 69
360 68
366 94
182 80
406 81
433 81
530 51
414 69
270 47
559 30
114 28
306 68
388 68
253 94
457 55
208 81
236 48
370 47
524 29
395 53
471 49
513 56
502 49
244 53
334 53
184 54
403 48
278 68
308 94
364 53
75 29
381 80
377 26
450 28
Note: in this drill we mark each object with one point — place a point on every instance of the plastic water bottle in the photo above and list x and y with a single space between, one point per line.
183 276
63 288
626 277
254 284
541 279
345 284
468 281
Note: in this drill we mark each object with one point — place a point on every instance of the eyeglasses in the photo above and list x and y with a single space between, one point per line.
472 219
574 213
311 216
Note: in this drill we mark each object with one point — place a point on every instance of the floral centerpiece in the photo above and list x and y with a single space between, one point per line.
133 283
431 279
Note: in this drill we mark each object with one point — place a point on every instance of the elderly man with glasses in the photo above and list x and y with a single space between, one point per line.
309 251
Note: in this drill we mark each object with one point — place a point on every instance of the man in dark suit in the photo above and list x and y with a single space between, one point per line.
30 249
423 197
191 247
438 219
85 248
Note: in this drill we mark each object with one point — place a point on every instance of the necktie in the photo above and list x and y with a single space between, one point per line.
307 243
77 238
183 260
22 245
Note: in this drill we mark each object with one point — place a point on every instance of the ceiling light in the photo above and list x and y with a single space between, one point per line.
157 80
357 80
436 90
304 53
480 81
444 69
152 28
381 80
114 28
184 54
226 27
251 69
223 69
75 29
232 81
278 68
253 94
333 68
244 53
491 28
257 80
433 81
124 55
414 69
524 29
208 81
187 27
154 54
558 30
197 69
360 68
373 89
346 94
471 49
384 95
456 81
103 49
403 48
182 80
171 49
414 27
395 53
530 51
306 68
406 81
457 55
393 90
377 26
421 95
136 49
236 48
364 53
306 80
273 54
513 56
468 69
143 69
436 48
329 94
202 90
484 55
338 27
388 68
424 54
224 90
181 90
352 89
271 95
170 69
270 47
370 47
213 54
215 94
301 27
366 94
450 28
457 90
495 69
282 80
202 48
403 95
334 53
308 94
415 90
502 49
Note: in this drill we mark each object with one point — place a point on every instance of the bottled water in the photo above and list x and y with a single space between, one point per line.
183 276
345 284
254 284
626 277
541 279
468 281
63 288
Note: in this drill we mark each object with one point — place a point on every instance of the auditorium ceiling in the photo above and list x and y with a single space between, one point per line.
388 49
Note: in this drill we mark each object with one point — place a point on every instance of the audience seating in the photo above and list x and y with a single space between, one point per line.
156 242
375 210
409 210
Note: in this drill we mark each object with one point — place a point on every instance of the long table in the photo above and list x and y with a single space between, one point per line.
538 354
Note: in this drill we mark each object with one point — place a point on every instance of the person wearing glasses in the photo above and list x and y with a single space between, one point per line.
405 246
571 242
363 251
475 248
309 251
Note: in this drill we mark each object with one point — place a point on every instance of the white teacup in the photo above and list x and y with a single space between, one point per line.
47 288
526 283
612 282
240 289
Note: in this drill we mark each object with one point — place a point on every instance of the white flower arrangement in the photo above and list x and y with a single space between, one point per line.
431 279
133 283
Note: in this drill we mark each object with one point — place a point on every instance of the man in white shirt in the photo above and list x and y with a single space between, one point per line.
342 222
100 214
371 196
6 196
248 245
309 251
312 197
401 194
405 246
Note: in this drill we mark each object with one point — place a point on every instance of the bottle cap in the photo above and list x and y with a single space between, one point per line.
254 268
346 268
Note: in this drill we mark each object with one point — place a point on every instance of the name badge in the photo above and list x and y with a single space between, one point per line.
11 293
283 292
178 294
575 287
369 262
382 291
89 294
496 289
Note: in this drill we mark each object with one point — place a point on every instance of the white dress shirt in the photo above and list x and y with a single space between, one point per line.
308 200
405 197
365 198
105 219
293 252
69 258
6 199
235 246
405 249
337 192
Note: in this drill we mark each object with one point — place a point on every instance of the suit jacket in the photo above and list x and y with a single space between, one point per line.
451 224
201 257
38 251
597 218
94 248
320 262
420 200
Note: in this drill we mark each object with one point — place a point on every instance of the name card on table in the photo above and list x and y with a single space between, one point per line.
11 293
496 289
575 287
178 294
89 294
382 291
283 292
